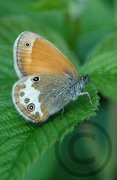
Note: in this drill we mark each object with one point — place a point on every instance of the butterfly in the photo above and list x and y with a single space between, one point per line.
48 80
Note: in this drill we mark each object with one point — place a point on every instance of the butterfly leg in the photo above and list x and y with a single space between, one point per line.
87 94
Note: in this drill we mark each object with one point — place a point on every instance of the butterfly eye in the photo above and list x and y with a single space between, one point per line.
36 79
31 107
27 44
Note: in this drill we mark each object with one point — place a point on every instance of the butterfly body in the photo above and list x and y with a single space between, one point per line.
48 80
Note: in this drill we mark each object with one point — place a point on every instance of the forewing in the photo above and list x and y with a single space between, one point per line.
35 55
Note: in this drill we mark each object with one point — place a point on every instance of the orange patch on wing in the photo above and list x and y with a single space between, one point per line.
43 58
24 56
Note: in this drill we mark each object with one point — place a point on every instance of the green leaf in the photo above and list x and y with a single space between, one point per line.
104 56
107 44
102 67
50 5
12 7
21 143
92 30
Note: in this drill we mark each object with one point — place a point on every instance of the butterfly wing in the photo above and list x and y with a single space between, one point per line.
33 54
36 97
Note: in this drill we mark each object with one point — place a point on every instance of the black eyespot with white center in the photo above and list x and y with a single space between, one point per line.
31 107
35 79
26 100
27 44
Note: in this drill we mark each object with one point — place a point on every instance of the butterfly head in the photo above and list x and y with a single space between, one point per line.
83 80
78 85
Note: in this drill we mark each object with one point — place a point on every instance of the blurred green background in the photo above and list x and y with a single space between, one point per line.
76 27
